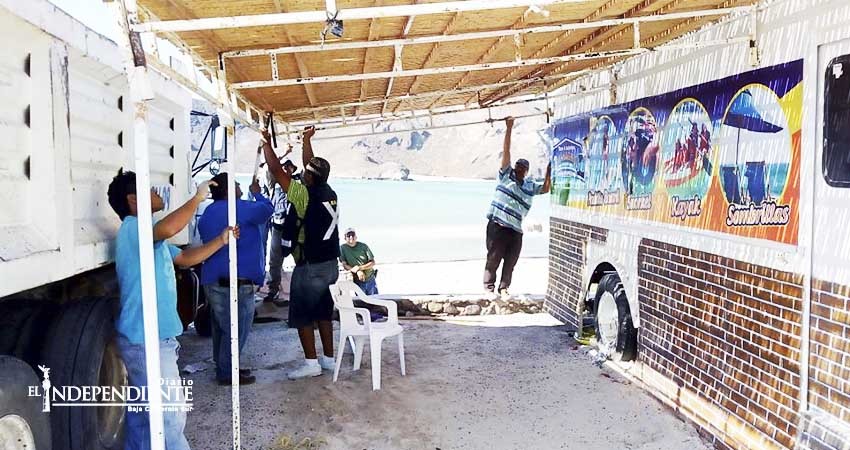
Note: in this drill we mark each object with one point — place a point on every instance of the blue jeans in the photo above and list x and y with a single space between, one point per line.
370 287
219 300
137 424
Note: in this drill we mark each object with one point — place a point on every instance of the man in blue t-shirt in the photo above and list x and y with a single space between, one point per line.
251 217
130 323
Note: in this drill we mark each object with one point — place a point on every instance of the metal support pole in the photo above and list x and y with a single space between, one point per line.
230 135
636 29
140 93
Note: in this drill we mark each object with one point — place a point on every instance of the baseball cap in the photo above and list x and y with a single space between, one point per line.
289 162
523 162
349 231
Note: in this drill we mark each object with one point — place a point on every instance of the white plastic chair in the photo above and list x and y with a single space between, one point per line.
344 293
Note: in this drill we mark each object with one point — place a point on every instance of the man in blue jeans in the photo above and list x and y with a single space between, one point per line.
251 217
130 324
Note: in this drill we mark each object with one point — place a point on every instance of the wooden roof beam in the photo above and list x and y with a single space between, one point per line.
299 62
258 20
513 31
436 70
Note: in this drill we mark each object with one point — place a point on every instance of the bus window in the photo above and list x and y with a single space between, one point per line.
836 151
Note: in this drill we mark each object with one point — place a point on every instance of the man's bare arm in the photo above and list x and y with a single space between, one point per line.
275 168
547 183
196 255
506 151
180 217
307 146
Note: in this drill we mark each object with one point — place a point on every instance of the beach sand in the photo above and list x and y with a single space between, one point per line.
514 382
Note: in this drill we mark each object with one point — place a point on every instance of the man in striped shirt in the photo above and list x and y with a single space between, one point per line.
511 203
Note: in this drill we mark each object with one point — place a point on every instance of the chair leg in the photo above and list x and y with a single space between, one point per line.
339 354
401 352
358 351
375 350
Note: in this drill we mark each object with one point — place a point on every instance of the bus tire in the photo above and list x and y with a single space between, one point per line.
614 328
81 350
21 418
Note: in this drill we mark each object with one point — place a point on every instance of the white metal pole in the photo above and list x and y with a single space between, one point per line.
234 288
140 93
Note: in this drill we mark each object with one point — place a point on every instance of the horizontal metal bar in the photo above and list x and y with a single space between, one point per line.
380 133
375 12
336 124
483 34
410 97
437 70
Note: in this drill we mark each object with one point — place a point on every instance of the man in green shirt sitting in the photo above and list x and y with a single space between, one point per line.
357 258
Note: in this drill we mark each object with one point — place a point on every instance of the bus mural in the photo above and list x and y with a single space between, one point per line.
722 156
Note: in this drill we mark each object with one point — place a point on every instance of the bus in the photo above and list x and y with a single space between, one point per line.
700 221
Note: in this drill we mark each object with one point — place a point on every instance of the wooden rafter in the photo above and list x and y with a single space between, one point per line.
599 12
299 61
373 30
448 29
209 38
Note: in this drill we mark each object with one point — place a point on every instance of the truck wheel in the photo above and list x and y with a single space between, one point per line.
80 350
615 333
23 425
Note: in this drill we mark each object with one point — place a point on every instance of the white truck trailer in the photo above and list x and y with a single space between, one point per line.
700 224
66 129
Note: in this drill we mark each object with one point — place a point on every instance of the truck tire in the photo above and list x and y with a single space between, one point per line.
23 425
615 332
80 350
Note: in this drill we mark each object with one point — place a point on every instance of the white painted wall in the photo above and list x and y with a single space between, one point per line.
58 222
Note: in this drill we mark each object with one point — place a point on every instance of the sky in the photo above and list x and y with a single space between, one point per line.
93 13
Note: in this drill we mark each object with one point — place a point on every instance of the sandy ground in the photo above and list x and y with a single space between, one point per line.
496 382
530 277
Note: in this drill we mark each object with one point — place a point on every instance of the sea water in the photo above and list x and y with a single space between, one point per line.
425 221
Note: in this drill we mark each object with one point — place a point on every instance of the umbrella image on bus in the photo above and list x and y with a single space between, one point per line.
756 149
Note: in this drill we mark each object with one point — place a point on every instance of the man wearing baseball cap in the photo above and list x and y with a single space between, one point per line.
510 205
357 258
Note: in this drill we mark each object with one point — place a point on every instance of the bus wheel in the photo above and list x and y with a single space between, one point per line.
23 425
615 334
81 351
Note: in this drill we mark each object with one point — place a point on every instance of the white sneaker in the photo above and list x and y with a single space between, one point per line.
505 295
310 368
327 363
490 295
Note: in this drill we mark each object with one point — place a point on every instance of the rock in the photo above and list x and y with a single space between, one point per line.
471 310
435 307
409 314
489 310
534 309
450 309
407 305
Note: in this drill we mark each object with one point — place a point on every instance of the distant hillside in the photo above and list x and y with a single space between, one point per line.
472 151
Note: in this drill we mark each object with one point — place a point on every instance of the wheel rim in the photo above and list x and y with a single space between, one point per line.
110 419
15 433
606 318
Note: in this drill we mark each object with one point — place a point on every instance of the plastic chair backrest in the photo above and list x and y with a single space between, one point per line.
341 294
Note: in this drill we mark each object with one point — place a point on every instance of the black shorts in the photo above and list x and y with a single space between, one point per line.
310 297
